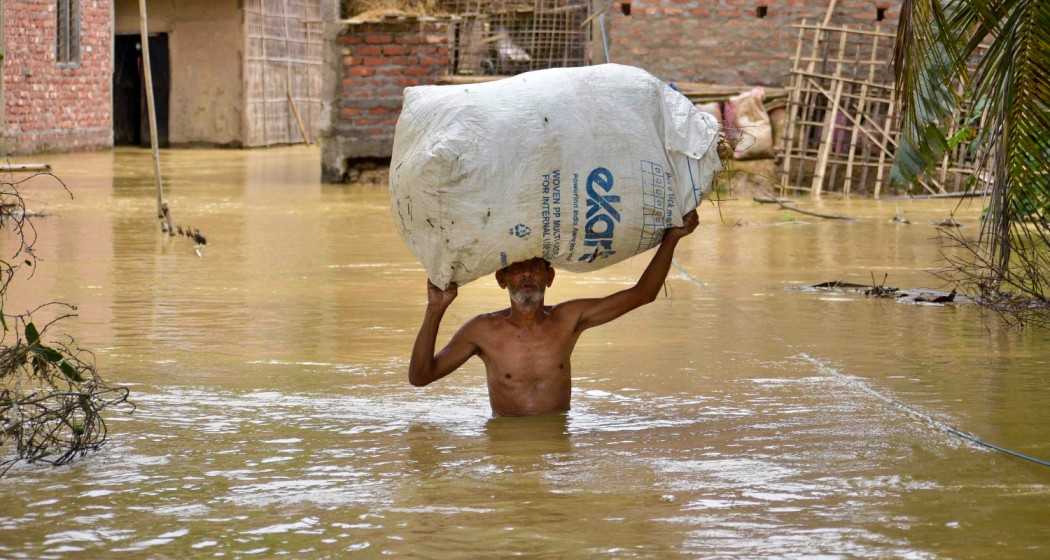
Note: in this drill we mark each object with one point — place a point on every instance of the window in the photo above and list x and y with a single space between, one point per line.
67 32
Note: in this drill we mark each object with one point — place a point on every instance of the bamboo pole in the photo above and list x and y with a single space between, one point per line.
887 140
162 208
835 28
265 84
792 109
953 127
25 167
827 138
298 119
819 35
829 12
807 101
882 152
861 112
288 71
309 84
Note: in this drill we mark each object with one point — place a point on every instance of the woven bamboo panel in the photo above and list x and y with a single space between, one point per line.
282 66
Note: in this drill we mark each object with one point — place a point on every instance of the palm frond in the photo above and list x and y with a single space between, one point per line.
990 58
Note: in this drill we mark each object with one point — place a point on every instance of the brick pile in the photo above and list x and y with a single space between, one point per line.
50 106
379 60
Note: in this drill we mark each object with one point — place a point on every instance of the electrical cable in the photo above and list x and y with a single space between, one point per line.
946 428
864 387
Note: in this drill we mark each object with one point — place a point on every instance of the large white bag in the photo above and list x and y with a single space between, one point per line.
584 167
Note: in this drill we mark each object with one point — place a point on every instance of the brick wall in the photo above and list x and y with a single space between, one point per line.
375 62
48 107
724 41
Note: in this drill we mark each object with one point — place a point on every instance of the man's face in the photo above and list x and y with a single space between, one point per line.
527 280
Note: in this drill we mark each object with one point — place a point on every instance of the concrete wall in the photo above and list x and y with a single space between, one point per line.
373 63
206 44
52 107
724 41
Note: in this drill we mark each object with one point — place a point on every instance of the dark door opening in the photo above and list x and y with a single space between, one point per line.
130 119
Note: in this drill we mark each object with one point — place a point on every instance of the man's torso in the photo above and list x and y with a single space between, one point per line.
528 368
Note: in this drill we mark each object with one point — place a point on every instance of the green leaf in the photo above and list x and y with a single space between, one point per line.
31 334
71 372
49 354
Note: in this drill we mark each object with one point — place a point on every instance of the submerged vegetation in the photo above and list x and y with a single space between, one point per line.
988 60
51 396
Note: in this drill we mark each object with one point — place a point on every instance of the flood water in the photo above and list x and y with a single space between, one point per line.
738 417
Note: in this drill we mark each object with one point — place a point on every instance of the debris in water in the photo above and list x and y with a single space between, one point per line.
912 295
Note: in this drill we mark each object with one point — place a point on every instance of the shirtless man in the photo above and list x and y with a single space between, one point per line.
526 348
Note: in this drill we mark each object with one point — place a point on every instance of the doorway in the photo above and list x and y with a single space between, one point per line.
130 116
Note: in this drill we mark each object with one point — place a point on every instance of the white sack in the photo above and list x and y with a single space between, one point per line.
754 131
584 167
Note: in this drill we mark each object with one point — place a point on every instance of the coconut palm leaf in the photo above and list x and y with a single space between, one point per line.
990 60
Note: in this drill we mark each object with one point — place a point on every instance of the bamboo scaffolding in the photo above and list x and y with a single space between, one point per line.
861 108
830 124
842 122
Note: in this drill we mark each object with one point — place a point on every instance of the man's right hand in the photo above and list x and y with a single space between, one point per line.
438 298
689 223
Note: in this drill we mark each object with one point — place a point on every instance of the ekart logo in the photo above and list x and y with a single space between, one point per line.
602 215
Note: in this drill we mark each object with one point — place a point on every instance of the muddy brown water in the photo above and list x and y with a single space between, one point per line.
737 417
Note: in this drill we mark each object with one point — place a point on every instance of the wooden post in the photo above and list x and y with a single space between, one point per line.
162 209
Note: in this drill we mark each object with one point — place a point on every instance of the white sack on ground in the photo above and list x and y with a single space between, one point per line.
751 125
584 167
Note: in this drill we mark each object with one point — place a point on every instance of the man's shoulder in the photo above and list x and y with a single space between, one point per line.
571 307
487 319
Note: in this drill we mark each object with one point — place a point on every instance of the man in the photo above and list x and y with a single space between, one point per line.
526 348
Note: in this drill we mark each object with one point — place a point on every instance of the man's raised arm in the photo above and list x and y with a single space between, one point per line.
425 367
594 312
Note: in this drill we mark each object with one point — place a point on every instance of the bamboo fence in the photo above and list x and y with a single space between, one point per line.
843 118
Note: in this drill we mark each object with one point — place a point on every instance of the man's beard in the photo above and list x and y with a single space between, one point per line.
528 296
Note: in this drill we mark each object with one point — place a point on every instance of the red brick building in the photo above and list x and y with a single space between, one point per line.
373 63
225 72
56 86
726 41
733 42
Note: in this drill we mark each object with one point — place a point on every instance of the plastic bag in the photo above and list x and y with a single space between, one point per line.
583 167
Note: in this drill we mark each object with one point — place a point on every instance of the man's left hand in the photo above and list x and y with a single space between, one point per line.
689 223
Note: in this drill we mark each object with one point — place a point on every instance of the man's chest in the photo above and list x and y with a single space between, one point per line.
532 353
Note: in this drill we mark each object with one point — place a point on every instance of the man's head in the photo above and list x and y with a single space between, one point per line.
526 280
